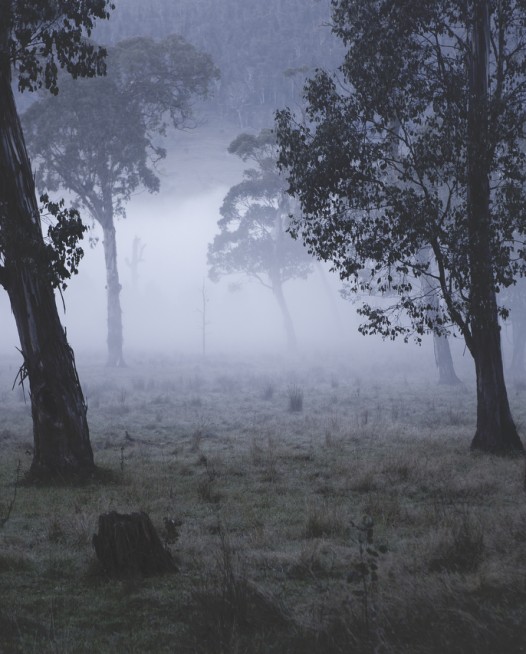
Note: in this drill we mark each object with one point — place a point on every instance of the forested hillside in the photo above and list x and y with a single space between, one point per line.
264 50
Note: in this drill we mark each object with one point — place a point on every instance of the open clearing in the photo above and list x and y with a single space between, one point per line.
268 503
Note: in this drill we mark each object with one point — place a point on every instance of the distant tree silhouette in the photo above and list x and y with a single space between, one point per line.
253 237
99 137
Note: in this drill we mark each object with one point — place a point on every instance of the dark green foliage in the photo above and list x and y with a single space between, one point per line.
50 34
40 39
64 233
416 146
380 164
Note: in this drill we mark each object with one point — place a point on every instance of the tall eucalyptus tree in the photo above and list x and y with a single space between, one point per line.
36 40
253 237
451 74
99 138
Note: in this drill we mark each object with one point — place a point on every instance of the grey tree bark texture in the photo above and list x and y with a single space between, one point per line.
62 446
277 289
496 431
276 278
113 291
443 358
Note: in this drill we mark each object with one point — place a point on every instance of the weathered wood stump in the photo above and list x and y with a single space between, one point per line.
127 544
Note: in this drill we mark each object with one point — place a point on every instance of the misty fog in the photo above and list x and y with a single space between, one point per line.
208 462
163 315
162 312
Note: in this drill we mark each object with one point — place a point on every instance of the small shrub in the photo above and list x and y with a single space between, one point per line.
295 398
206 487
171 530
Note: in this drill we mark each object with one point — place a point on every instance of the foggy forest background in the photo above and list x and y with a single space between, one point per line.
312 500
264 52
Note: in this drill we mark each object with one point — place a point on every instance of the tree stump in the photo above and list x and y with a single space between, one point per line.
127 544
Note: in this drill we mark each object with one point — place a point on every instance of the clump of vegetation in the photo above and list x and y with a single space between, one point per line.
461 548
323 521
9 507
230 612
207 487
295 394
364 573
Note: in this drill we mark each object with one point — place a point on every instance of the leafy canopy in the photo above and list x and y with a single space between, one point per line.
63 255
38 39
380 162
252 238
48 35
98 137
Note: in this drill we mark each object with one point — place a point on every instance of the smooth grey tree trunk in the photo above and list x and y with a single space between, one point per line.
496 432
276 279
113 291
518 326
443 358
61 436
330 296
292 341
517 370
134 261
444 361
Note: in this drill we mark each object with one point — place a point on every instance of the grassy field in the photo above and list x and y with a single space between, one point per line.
320 509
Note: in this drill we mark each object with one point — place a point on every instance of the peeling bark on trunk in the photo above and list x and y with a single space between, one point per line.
113 290
496 432
62 446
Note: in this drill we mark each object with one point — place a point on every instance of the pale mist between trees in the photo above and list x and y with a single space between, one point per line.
162 305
